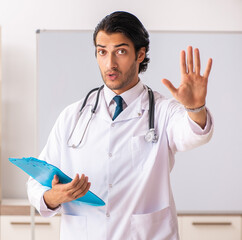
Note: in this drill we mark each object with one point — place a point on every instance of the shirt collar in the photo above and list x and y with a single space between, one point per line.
128 96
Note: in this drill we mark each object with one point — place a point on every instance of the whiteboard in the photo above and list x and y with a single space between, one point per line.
208 178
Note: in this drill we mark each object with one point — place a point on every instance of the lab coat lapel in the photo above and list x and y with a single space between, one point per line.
135 109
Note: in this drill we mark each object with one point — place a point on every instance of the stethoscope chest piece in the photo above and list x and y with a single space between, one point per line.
151 136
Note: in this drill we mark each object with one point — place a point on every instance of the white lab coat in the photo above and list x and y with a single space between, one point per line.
129 174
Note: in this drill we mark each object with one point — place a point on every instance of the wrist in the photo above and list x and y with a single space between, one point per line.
199 117
50 200
195 110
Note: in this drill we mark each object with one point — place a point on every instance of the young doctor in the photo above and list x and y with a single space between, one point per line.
128 169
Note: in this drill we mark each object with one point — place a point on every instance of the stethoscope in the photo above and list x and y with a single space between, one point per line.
150 136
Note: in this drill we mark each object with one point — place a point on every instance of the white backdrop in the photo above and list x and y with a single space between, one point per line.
205 179
20 20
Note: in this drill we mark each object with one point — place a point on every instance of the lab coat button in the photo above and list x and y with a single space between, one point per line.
112 125
110 154
110 185
107 215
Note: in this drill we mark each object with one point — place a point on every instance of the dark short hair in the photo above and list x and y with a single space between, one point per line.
129 25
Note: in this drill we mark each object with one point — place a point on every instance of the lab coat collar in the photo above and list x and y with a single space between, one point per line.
128 96
137 102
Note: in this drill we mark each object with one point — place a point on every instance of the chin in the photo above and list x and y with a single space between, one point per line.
113 85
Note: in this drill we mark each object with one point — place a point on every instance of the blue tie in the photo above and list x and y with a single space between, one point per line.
119 107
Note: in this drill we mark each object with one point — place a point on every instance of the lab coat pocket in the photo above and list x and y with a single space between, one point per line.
156 226
73 227
141 153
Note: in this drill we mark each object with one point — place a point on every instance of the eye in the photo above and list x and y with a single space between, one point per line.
121 51
101 52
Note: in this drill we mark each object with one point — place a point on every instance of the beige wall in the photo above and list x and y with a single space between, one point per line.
20 20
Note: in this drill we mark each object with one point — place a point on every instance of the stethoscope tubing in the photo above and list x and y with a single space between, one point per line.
153 138
97 99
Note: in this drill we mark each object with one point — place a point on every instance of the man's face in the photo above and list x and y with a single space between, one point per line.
117 61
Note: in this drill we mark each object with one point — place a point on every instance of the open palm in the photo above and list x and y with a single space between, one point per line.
193 88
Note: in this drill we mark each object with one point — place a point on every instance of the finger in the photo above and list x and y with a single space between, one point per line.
82 180
170 86
55 180
79 185
197 61
82 183
82 193
73 183
189 59
86 189
183 62
80 189
208 68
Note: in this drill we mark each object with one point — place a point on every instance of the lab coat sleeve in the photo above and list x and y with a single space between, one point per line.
51 154
35 193
183 133
197 129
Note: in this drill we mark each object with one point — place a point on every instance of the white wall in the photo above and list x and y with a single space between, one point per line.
19 21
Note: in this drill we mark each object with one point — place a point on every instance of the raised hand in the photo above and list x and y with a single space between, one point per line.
193 88
192 91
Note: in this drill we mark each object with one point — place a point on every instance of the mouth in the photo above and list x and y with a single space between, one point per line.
112 75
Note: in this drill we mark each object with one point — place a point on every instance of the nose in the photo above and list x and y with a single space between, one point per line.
111 62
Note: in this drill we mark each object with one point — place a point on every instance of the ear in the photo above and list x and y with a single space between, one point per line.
141 55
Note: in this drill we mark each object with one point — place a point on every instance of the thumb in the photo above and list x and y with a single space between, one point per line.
169 85
55 180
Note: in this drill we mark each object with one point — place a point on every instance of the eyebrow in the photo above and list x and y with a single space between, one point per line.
116 46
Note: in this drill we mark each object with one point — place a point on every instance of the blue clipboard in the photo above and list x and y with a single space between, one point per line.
44 172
